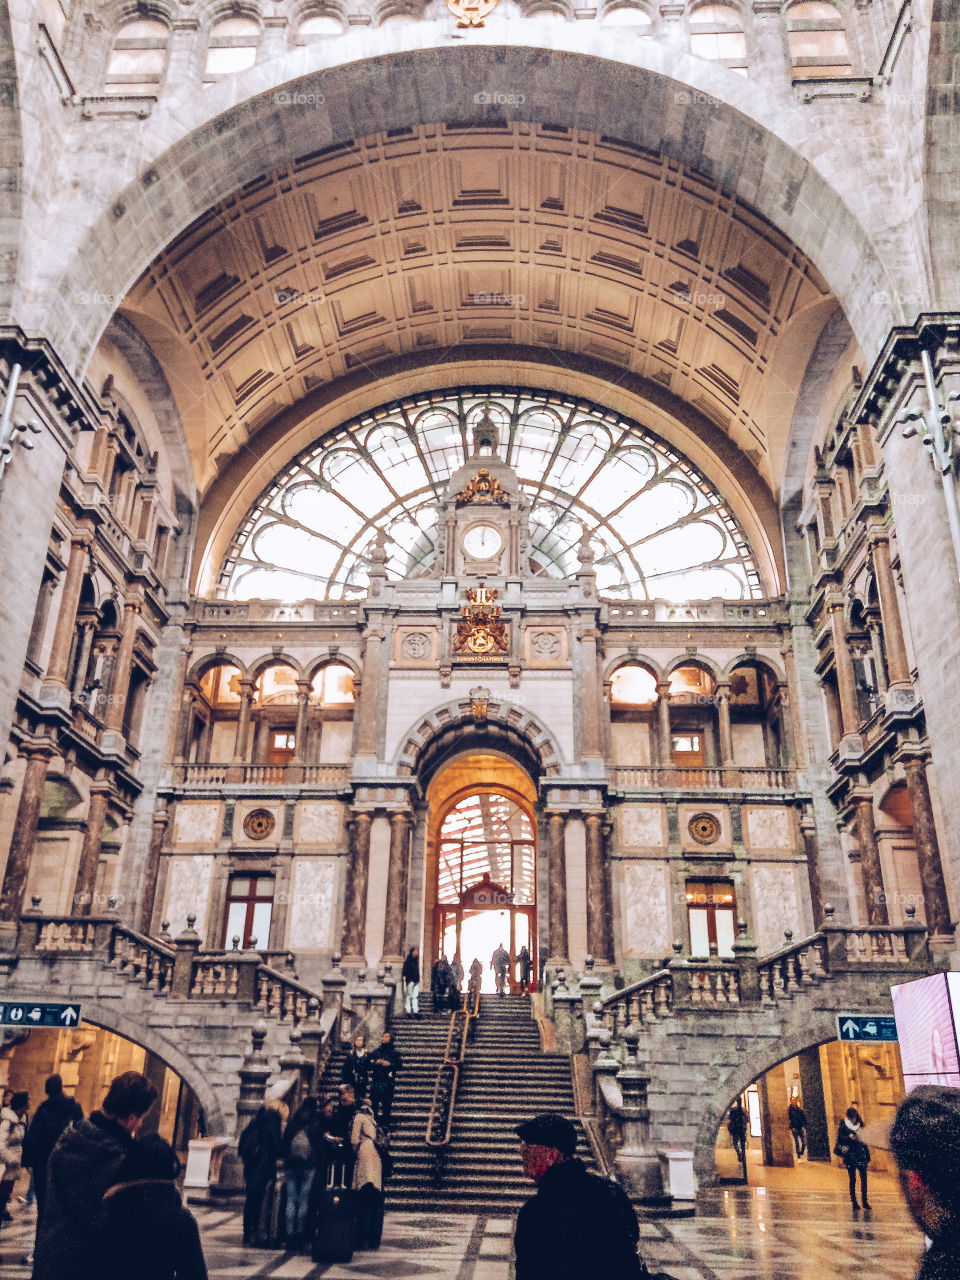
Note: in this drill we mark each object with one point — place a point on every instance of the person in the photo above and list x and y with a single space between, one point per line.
367 1179
301 1158
737 1128
577 1224
456 982
925 1141
143 1228
525 965
440 982
259 1149
48 1123
500 964
797 1119
855 1154
476 975
410 975
356 1068
385 1062
83 1164
13 1128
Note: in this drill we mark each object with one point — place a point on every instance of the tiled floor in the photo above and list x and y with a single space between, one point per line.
738 1233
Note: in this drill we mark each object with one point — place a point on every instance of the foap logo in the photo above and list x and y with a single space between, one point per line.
498 299
289 98
497 98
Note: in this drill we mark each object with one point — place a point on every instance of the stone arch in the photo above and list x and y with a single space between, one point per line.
582 79
211 660
259 665
502 718
311 668
754 660
700 660
116 1020
632 660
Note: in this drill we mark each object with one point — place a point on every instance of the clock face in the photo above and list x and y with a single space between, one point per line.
482 541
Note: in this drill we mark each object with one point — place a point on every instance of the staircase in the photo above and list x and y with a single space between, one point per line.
505 1079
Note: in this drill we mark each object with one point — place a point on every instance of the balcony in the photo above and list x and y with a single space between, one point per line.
200 776
734 778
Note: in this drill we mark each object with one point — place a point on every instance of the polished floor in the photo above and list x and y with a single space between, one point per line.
756 1233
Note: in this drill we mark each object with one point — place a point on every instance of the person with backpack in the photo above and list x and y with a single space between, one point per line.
525 967
48 1123
855 1154
440 983
259 1149
385 1062
301 1158
500 964
13 1128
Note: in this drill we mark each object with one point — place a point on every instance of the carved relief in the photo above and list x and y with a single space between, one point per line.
704 828
415 645
545 647
481 631
484 489
258 824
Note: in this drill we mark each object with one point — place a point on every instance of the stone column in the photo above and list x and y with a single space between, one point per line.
898 667
21 845
808 832
243 721
557 871
151 871
723 722
870 863
663 723
67 616
300 736
355 899
86 881
591 693
846 687
875 627
936 909
120 680
398 871
83 661
599 919
369 695
788 741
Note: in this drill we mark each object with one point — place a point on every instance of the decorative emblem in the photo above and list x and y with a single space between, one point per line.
481 631
478 703
415 645
704 828
258 824
471 13
483 488
545 644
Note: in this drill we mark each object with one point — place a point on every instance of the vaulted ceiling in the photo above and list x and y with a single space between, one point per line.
441 239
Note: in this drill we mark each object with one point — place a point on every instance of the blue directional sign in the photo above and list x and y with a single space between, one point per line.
865 1027
38 1013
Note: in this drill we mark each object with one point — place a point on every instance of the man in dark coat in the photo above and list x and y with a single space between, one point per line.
259 1148
440 983
925 1141
577 1224
737 1128
49 1121
797 1120
500 964
525 967
385 1062
356 1069
142 1228
84 1163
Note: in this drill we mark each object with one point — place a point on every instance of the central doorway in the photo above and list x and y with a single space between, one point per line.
483 862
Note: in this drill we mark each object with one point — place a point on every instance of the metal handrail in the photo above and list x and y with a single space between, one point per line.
444 1100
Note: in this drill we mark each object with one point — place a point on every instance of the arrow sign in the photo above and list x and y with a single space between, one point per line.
40 1014
69 1017
866 1028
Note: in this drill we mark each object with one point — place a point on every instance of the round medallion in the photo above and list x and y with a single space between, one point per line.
415 644
704 828
482 541
480 641
258 824
545 644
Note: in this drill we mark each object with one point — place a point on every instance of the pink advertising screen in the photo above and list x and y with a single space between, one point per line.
927 1031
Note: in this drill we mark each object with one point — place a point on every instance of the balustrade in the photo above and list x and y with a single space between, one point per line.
218 775
740 777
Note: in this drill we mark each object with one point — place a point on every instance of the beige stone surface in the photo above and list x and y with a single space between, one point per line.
645 909
188 893
319 822
312 900
768 827
641 826
776 905
197 823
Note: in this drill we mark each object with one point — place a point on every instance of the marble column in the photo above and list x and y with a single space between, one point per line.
355 898
398 874
300 736
21 845
808 833
846 686
875 627
243 721
898 667
936 908
369 695
120 677
870 863
557 873
86 881
591 693
724 726
599 911
67 616
87 630
151 870
663 724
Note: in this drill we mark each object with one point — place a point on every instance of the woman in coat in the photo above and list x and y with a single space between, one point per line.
855 1154
411 982
143 1228
367 1179
260 1148
13 1128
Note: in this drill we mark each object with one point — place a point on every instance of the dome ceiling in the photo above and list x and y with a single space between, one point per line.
438 239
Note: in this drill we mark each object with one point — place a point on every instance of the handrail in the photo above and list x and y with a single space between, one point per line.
443 1102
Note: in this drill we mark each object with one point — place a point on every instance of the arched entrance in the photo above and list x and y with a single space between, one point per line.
482 862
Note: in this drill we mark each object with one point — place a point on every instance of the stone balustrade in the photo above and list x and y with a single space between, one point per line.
281 775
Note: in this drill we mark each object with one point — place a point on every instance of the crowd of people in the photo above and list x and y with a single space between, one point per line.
446 977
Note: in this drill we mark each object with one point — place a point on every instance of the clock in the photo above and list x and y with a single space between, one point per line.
482 541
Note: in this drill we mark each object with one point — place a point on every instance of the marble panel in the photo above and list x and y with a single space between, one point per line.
196 823
630 743
320 822
312 900
188 892
769 828
776 905
645 907
641 826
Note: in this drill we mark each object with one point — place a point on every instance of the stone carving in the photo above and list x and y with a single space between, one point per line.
258 824
705 828
480 631
415 645
484 489
545 645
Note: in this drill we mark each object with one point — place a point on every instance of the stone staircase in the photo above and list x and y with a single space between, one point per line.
505 1079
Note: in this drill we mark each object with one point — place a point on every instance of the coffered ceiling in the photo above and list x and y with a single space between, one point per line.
444 238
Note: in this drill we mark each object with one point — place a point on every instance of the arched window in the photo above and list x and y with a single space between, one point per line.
629 16
330 724
232 47
317 26
633 686
138 58
716 32
817 40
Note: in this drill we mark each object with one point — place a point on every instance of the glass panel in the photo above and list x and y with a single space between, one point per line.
261 923
321 26
236 919
699 932
224 62
137 63
263 885
721 44
239 887
726 932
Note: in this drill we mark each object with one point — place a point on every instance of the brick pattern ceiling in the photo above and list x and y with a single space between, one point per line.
441 237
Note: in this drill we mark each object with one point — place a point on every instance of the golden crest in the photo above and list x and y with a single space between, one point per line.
480 630
471 13
483 488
